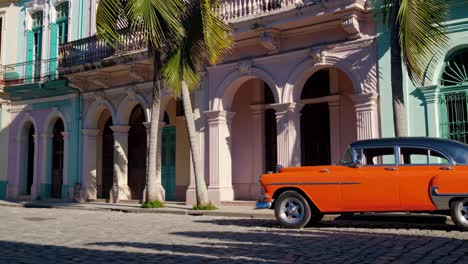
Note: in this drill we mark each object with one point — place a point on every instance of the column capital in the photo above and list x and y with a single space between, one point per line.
258 108
90 132
216 117
65 134
365 102
431 93
20 139
287 108
44 136
120 129
334 100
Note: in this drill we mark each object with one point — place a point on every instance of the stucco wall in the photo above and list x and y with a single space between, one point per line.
416 111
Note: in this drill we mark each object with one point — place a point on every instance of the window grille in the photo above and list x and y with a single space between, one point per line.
453 98
454 116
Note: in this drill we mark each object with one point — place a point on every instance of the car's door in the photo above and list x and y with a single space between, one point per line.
416 167
374 185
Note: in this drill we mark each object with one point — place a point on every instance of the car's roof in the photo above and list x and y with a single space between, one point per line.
454 149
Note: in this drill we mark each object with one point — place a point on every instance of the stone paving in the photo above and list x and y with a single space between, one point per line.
76 236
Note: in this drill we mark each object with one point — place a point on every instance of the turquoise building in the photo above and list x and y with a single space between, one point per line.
45 111
439 107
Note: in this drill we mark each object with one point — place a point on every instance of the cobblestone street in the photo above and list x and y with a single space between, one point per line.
74 236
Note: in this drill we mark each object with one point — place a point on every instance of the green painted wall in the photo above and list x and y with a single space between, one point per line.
416 109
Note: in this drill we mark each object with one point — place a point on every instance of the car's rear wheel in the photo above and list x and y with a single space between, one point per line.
459 213
292 210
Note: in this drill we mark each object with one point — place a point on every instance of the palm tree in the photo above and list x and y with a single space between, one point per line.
206 39
159 21
417 33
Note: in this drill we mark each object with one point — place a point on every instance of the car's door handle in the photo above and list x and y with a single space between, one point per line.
390 169
446 168
325 170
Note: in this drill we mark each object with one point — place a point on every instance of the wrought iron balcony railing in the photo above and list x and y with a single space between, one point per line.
92 49
30 72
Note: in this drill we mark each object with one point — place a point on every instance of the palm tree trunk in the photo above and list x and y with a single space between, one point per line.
154 189
202 193
399 112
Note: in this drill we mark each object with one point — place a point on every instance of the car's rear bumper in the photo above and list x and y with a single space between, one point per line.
263 205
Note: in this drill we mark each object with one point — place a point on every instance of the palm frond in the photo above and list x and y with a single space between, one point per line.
157 19
203 41
422 35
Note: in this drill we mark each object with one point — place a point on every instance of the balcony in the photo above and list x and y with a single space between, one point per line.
33 79
30 72
92 49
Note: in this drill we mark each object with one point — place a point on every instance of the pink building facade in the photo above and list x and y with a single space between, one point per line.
298 87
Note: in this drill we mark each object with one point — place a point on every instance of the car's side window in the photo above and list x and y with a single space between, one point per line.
421 156
378 156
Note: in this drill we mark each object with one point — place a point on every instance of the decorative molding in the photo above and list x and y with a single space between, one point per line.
136 73
319 55
102 81
245 66
270 41
350 24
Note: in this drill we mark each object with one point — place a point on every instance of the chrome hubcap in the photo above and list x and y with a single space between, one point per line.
292 210
463 210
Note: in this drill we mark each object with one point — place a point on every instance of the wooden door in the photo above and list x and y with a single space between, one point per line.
315 135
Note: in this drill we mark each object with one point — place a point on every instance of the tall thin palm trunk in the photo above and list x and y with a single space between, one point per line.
202 193
154 189
398 100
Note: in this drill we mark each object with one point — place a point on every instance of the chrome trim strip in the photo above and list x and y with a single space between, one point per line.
313 183
441 201
263 205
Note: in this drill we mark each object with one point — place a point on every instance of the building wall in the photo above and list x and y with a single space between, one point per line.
45 102
418 114
9 31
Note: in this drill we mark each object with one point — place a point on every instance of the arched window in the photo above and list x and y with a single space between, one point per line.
453 97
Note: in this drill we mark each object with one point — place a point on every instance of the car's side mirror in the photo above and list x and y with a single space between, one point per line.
356 164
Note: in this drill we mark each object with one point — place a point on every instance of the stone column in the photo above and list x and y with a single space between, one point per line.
367 122
258 147
15 183
220 163
89 174
335 128
288 123
120 189
431 94
148 132
66 185
44 179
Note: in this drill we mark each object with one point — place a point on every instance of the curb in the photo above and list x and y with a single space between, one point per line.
146 210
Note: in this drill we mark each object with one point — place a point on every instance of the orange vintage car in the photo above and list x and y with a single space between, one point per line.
377 175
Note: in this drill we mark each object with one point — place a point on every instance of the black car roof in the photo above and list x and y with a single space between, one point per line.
454 149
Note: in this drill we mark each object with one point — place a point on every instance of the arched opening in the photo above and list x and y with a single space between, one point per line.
315 121
328 110
137 153
30 158
57 159
253 137
105 151
453 98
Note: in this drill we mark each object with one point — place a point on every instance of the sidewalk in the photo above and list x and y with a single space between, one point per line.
240 210
244 211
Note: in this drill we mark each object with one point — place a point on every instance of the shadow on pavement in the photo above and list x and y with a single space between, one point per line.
311 246
370 221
